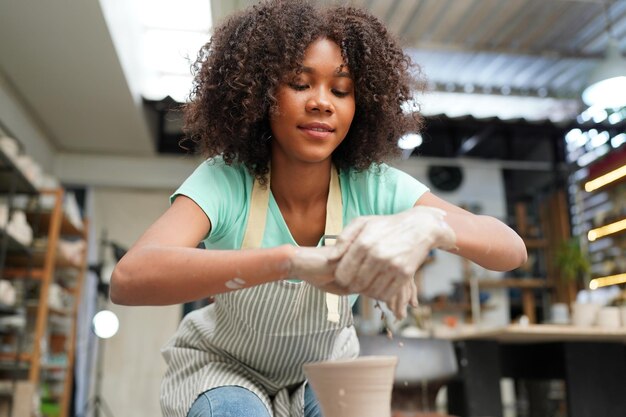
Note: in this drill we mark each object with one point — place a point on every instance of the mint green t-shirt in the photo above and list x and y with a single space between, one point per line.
223 193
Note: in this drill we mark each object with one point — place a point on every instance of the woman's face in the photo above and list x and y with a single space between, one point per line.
315 107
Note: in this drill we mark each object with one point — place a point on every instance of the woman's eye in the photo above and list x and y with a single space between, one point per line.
339 93
298 87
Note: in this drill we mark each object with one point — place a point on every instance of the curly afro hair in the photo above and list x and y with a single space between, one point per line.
239 69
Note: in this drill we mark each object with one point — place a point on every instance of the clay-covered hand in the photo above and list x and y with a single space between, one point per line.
378 255
400 301
316 266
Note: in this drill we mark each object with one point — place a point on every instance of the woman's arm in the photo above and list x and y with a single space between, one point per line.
378 255
484 240
165 267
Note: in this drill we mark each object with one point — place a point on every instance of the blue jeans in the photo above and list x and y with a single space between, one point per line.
233 401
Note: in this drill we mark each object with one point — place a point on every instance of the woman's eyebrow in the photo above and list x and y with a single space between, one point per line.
338 73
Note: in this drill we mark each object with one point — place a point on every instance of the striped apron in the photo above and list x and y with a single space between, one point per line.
259 337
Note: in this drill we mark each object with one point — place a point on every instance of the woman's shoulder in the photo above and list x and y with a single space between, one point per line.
216 170
381 189
215 181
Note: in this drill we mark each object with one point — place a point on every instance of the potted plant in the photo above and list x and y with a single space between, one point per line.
573 265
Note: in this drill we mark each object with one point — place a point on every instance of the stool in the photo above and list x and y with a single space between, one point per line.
424 366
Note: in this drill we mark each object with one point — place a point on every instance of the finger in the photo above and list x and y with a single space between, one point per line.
395 283
401 303
406 297
378 285
413 300
349 264
366 275
327 252
347 236
399 308
392 305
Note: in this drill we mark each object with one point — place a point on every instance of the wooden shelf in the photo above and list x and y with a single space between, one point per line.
11 356
23 273
54 367
8 310
12 244
535 243
37 261
10 330
549 215
51 311
43 218
512 283
439 307
12 178
62 313
12 370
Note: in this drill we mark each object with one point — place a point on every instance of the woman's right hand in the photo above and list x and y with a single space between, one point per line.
315 266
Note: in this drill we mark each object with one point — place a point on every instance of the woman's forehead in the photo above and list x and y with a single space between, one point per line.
326 54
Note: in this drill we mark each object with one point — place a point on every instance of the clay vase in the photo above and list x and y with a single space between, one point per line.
358 387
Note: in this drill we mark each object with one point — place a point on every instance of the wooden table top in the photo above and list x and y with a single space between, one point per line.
516 333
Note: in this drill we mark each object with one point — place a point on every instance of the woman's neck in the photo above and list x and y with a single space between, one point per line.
298 185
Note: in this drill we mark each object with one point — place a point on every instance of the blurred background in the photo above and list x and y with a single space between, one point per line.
524 107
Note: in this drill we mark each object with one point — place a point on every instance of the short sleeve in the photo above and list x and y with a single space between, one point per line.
220 191
391 191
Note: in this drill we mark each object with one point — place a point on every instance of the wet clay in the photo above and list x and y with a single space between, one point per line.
358 387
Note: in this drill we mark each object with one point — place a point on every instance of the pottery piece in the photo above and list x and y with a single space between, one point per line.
584 314
609 318
359 387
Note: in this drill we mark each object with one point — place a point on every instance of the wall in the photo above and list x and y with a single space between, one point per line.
133 366
18 121
482 186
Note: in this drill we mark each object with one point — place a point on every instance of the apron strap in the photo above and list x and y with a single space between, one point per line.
259 203
334 224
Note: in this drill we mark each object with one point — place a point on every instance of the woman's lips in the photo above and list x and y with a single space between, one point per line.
317 130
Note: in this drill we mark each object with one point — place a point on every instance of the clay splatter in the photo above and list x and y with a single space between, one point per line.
235 283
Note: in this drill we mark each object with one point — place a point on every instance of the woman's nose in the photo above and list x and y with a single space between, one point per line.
320 103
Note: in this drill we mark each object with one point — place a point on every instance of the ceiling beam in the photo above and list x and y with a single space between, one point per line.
462 48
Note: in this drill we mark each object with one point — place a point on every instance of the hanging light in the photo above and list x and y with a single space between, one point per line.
607 83
606 87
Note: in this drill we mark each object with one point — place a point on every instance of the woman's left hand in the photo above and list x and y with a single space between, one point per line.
378 255
400 301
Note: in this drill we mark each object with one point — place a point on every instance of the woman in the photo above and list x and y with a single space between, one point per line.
295 108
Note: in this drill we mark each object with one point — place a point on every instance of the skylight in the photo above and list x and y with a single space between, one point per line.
172 35
157 41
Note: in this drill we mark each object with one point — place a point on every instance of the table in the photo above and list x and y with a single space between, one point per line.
591 361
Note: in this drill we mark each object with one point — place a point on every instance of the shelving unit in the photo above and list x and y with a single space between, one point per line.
544 226
15 366
603 210
31 360
47 264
